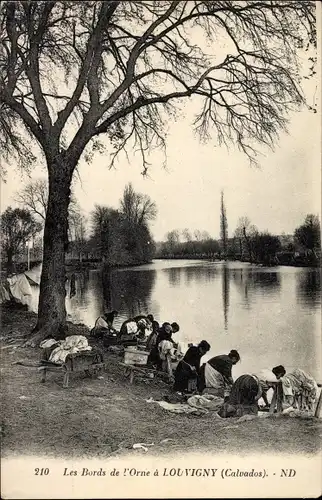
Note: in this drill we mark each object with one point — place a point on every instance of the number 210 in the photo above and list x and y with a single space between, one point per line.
41 472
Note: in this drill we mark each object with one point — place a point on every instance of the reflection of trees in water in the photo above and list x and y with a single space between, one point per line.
88 302
308 287
126 291
199 274
174 275
248 280
107 290
81 284
131 291
191 273
239 277
270 281
225 293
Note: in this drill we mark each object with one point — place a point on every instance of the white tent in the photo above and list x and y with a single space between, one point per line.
22 288
34 275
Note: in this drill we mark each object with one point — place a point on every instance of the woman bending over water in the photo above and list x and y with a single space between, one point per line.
243 398
299 388
216 373
188 369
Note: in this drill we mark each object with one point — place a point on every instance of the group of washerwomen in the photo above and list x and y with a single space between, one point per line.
240 397
141 329
134 330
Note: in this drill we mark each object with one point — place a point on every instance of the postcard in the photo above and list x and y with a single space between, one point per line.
160 249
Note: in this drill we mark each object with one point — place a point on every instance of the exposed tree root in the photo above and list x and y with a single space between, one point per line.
51 330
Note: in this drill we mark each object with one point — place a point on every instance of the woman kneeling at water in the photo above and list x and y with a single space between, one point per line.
216 374
243 398
188 369
299 388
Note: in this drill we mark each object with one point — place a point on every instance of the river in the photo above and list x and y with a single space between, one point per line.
271 316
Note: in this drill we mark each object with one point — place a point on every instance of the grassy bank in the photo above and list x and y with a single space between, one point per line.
105 416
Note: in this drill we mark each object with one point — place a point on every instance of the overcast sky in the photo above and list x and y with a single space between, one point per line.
276 196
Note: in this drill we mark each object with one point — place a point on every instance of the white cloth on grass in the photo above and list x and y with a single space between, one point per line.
71 345
45 344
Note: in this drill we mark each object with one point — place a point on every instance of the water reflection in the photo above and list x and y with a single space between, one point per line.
253 281
200 274
131 291
267 281
308 288
232 305
191 274
174 275
225 293
126 291
88 302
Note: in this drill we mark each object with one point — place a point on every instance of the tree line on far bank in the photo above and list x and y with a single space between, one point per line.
122 237
247 244
116 237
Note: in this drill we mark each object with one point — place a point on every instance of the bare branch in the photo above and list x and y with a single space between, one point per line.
130 64
32 69
107 10
25 115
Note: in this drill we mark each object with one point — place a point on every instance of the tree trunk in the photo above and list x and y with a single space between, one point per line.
9 261
241 248
249 247
51 307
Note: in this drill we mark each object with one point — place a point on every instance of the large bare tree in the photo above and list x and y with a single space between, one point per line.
72 71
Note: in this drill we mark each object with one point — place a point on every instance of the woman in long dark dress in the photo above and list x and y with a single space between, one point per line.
243 398
216 374
187 371
164 333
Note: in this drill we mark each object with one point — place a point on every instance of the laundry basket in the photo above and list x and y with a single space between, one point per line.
133 356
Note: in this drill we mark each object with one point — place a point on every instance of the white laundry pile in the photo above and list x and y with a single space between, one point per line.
71 345
206 402
46 344
178 407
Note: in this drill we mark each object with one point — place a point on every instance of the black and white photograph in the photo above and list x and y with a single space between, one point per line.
160 241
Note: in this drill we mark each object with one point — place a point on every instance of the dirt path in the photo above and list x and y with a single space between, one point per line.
106 416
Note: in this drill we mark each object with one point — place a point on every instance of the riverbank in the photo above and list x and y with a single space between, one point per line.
105 416
71 265
287 259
